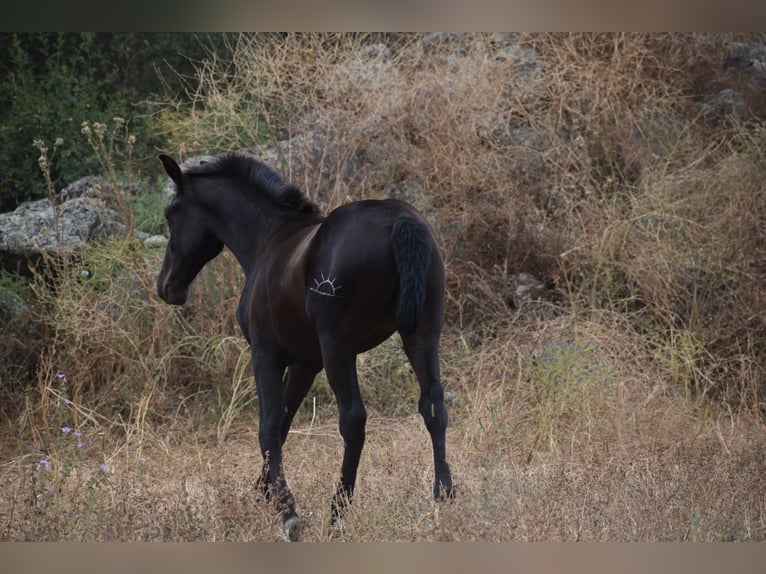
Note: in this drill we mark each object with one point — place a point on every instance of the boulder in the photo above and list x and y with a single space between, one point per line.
529 289
726 103
412 192
750 58
37 228
88 186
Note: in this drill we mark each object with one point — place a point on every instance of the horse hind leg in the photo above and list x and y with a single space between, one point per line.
340 366
424 357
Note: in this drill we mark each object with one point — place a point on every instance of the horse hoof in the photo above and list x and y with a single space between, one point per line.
443 493
292 528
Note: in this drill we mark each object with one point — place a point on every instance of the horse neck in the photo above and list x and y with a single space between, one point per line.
247 227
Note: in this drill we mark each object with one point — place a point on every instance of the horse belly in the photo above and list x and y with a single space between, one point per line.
296 335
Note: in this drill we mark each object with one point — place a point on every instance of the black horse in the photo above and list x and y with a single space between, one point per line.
318 291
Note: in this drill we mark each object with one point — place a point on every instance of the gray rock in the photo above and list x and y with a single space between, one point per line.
525 60
451 41
751 58
38 227
375 52
410 191
727 102
319 153
88 186
155 241
502 39
528 289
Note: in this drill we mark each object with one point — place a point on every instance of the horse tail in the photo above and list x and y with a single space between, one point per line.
411 242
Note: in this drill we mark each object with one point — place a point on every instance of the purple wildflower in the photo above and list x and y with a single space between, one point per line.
78 434
66 429
61 376
80 444
102 466
46 464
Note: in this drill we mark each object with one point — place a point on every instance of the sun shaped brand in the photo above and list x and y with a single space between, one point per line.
326 286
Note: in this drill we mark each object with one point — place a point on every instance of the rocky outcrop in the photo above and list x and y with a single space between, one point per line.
37 228
749 58
744 81
726 103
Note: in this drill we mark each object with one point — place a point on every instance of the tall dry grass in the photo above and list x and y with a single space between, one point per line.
626 404
581 158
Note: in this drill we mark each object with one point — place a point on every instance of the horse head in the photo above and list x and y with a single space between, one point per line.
192 243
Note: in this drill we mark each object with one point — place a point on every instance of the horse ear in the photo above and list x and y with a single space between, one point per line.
172 169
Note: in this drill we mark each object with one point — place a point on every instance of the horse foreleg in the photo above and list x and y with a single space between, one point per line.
300 377
268 379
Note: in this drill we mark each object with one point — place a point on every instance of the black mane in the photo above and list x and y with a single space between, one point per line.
258 176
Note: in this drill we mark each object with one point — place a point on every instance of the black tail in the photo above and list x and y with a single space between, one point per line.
412 244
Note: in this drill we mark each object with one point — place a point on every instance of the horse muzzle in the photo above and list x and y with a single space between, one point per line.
171 295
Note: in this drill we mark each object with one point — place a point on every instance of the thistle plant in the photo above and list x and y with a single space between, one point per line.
45 164
107 143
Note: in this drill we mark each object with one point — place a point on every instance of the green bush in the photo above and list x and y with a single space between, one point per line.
51 83
148 212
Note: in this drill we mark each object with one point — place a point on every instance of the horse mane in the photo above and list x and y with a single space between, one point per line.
258 176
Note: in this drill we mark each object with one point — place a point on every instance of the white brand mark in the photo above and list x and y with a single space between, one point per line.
326 286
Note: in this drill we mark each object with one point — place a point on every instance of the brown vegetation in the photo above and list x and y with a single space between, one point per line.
625 403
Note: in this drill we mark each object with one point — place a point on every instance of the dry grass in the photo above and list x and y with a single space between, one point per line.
627 405
625 461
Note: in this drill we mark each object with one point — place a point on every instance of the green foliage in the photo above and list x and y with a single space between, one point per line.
12 284
564 383
387 381
47 95
148 209
50 83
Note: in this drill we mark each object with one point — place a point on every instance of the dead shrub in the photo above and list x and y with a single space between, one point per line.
579 158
